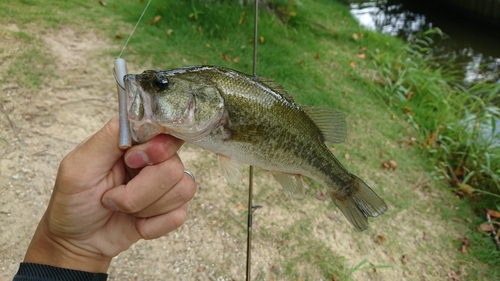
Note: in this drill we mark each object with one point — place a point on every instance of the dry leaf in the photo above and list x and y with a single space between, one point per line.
361 56
486 227
404 259
236 59
240 207
316 56
385 165
352 64
355 36
453 276
465 244
169 32
379 239
157 19
410 95
226 57
430 139
425 236
200 30
261 39
494 214
393 164
407 109
347 156
207 45
119 36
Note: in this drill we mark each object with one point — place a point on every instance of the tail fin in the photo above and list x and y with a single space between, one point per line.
358 202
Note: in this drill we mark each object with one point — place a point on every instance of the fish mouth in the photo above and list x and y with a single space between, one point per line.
140 111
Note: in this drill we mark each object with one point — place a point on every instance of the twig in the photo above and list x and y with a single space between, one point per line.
12 125
493 233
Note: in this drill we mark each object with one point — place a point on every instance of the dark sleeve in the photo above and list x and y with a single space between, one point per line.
41 272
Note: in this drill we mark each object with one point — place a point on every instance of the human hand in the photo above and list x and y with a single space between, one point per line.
106 199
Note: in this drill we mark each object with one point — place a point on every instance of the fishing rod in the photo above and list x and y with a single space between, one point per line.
251 208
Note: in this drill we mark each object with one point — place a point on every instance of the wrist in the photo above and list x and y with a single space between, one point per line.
50 250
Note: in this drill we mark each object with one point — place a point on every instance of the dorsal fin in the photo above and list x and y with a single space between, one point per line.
331 123
275 86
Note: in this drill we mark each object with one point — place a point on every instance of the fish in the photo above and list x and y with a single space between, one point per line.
250 120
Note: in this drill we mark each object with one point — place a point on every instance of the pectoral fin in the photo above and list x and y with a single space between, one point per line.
293 184
231 169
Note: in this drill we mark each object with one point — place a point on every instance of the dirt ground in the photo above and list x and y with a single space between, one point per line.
38 128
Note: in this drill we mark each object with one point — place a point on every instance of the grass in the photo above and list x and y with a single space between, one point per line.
322 57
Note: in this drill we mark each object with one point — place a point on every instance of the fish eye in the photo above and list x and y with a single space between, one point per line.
161 83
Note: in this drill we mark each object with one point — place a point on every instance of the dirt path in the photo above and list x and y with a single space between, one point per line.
38 128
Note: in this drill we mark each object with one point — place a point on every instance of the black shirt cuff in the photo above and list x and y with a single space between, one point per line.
41 272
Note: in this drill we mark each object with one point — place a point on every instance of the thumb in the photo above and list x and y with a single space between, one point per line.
95 156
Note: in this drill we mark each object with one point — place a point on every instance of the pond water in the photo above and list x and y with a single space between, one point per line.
475 46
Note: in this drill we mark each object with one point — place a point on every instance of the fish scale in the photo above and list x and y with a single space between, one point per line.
252 121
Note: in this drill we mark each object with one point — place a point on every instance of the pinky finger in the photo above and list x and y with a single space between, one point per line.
157 226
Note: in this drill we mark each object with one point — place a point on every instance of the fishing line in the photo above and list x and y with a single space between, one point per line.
133 30
119 71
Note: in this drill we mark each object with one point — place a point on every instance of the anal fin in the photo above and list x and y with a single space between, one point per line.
293 184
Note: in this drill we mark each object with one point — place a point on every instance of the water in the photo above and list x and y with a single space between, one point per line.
475 46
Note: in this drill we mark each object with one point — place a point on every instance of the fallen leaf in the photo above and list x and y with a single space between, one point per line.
347 156
393 164
240 207
156 19
361 56
200 30
352 64
355 36
465 244
201 269
261 39
236 59
385 165
425 236
494 214
379 239
225 56
410 95
404 259
102 3
316 56
430 139
486 227
207 45
333 278
170 31
407 109
393 116
453 276
119 36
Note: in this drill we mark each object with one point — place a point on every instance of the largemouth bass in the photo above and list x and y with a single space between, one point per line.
253 121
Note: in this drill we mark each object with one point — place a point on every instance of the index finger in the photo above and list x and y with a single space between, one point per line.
158 149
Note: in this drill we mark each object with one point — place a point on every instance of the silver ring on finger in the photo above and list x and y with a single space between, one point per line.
189 173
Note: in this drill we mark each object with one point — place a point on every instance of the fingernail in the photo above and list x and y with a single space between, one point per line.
108 204
137 159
